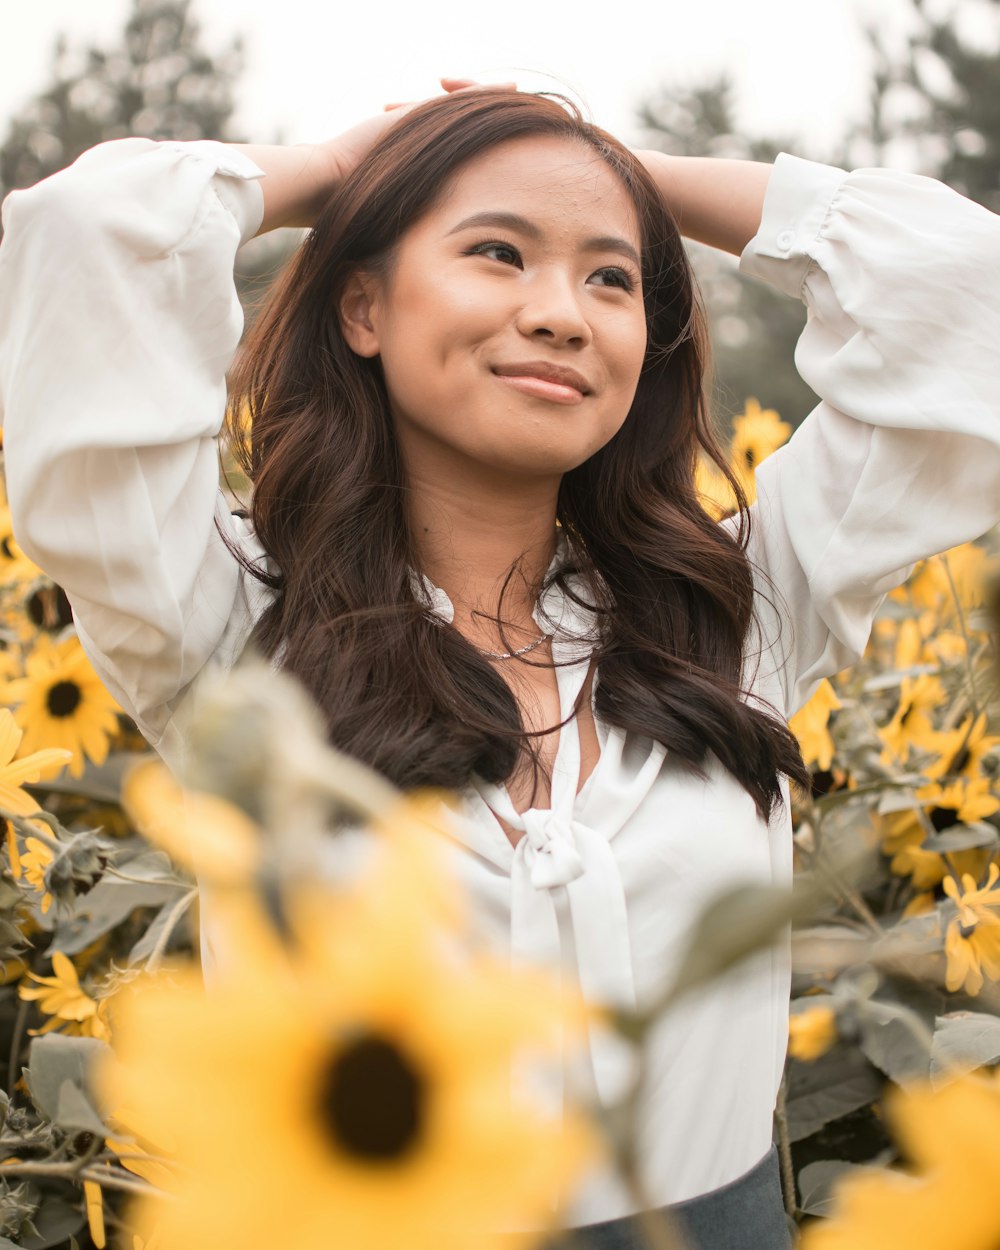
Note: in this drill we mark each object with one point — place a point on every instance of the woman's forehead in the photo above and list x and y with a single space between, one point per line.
543 177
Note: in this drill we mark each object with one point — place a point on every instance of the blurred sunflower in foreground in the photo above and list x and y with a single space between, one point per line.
347 1083
953 1136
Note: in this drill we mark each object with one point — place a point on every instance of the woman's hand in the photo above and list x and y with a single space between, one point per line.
347 151
301 178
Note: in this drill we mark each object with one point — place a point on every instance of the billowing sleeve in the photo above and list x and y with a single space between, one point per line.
118 320
901 459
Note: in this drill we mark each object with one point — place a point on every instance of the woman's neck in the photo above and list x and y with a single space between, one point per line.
467 534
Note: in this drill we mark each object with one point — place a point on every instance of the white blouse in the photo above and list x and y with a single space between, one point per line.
118 321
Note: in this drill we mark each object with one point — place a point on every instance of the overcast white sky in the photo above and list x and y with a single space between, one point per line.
313 68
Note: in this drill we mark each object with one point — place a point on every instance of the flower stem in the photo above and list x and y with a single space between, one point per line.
785 1150
176 912
960 612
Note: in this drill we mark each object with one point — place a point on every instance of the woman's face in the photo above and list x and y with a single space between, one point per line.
511 326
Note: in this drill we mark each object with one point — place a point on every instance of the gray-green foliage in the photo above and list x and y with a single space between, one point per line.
934 108
157 81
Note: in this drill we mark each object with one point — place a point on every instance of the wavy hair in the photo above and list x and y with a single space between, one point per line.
672 590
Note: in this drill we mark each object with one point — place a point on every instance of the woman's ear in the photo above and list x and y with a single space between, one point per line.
356 310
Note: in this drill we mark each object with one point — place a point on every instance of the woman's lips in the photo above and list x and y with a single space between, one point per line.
541 388
560 383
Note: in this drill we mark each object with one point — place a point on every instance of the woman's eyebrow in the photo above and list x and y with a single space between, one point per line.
514 221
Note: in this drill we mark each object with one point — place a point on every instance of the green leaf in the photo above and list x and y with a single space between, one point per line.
101 784
832 1086
56 1061
963 1040
150 865
900 798
142 950
819 1181
55 1221
824 950
889 1042
960 837
737 922
74 1110
109 903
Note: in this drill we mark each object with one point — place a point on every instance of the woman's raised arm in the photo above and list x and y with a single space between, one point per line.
119 319
714 201
901 459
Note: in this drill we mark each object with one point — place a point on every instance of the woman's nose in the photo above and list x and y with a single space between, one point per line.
552 311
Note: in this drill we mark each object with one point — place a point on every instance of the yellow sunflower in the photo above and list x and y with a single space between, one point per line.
200 832
351 1087
94 1200
149 1160
952 1135
32 864
62 997
713 488
15 773
921 640
972 939
962 750
15 567
809 725
902 833
62 703
757 432
960 802
911 726
811 1032
971 568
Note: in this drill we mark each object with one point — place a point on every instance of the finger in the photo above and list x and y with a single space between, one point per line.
452 85
398 104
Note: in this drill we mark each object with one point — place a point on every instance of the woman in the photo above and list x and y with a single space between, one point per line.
492 329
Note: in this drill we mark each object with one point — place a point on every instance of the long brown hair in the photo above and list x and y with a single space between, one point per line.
672 590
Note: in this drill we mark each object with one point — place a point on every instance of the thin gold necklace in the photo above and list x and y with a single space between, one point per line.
509 655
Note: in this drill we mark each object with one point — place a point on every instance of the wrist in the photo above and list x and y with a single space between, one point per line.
715 201
298 178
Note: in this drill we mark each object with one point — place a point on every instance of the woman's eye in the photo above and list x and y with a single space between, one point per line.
506 253
613 276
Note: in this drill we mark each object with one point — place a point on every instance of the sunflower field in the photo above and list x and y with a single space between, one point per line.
346 1080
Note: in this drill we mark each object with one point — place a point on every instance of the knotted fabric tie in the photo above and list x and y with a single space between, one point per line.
559 851
550 854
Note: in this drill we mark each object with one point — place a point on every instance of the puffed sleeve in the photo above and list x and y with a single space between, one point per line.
118 320
901 459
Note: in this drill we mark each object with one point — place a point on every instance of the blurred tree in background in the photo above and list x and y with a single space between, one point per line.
934 108
159 82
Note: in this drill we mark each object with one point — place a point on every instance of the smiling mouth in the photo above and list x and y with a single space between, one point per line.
557 385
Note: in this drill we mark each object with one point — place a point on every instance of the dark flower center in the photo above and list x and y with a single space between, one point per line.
943 817
5 548
967 930
823 781
961 760
749 457
373 1099
49 608
63 698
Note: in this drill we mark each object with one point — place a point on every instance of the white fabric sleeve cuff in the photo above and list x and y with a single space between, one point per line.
796 203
